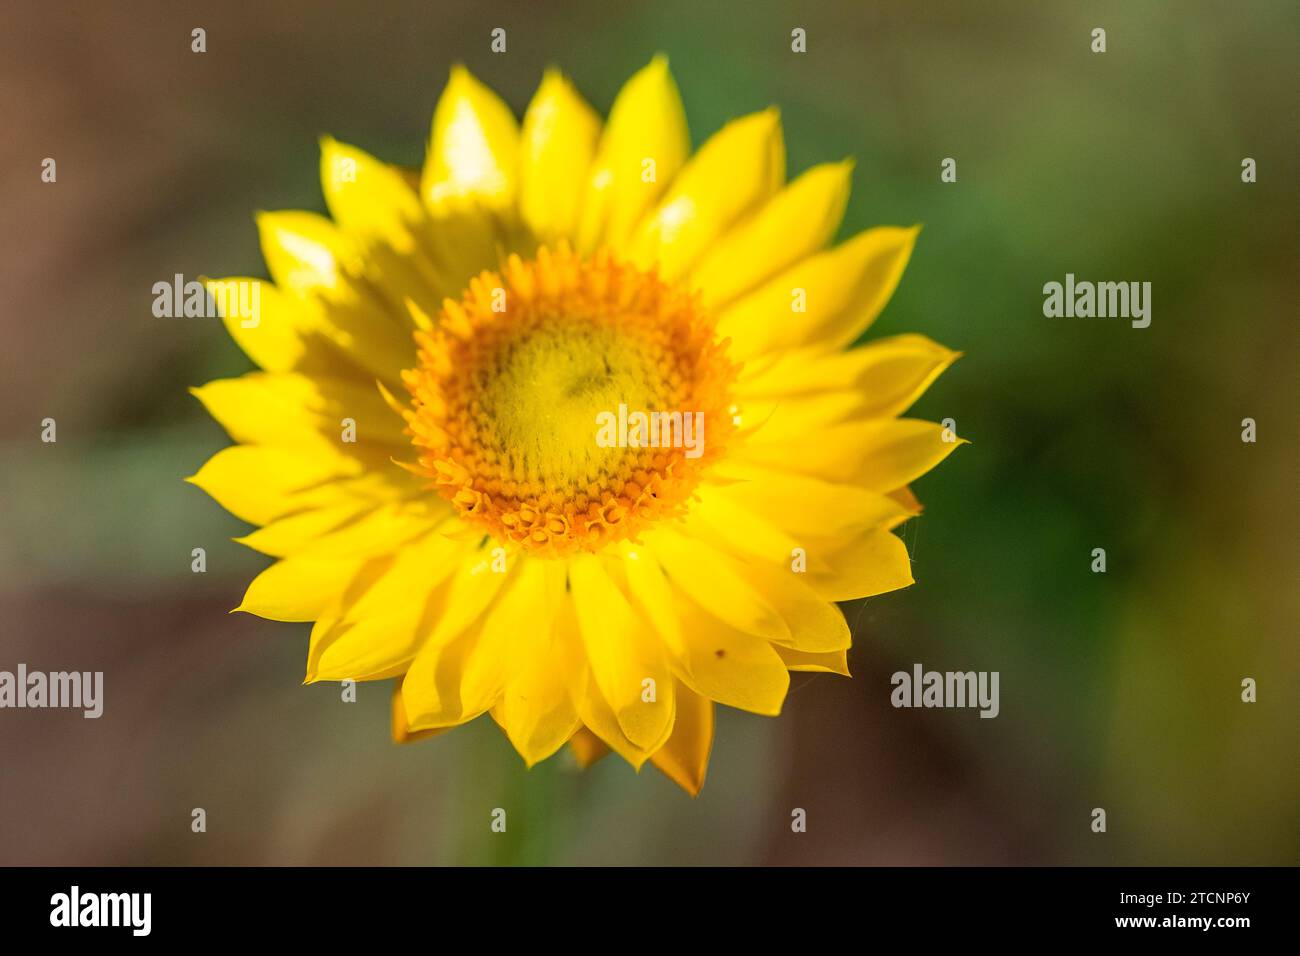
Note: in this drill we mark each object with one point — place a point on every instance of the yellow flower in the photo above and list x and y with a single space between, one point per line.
422 450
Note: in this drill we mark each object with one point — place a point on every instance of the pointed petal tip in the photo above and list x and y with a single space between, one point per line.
461 75
552 74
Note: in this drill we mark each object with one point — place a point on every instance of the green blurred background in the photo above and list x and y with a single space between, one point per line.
1118 690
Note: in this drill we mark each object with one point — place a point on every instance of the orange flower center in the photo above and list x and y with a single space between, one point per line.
565 405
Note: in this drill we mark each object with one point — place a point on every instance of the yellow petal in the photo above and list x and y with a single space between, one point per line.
627 663
598 715
394 278
372 648
536 712
348 527
474 145
816 625
367 197
717 582
469 673
463 239
735 172
653 595
309 257
381 528
370 338
872 562
830 662
402 733
556 147
795 417
306 253
433 690
685 757
291 410
595 712
798 221
434 693
907 499
802 505
472 590
897 451
646 122
587 747
740 530
874 453
843 289
416 572
299 530
278 336
379 624
880 454
731 667
889 373
535 709
258 484
299 589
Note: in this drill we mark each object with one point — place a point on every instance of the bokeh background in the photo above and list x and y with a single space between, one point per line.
1119 690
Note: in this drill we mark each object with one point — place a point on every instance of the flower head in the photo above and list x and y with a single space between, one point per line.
566 426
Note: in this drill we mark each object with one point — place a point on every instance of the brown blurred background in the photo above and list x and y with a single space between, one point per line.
1118 691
